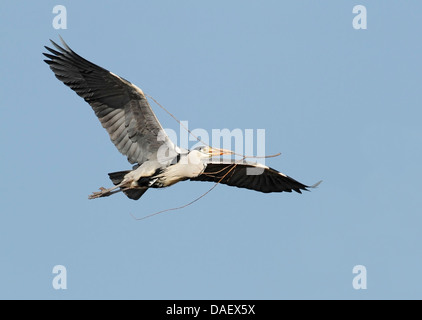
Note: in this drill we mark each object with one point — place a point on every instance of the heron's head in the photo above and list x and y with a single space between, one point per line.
213 152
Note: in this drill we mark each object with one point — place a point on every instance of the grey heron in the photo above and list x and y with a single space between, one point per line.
125 113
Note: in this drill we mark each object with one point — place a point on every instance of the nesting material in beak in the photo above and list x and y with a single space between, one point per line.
213 152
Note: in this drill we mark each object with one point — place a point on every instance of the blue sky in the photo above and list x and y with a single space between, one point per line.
340 104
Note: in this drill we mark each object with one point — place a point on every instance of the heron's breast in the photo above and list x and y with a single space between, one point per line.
180 172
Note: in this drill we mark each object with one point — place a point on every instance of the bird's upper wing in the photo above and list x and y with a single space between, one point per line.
250 176
121 107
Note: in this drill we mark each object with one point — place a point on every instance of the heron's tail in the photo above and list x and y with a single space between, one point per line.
117 178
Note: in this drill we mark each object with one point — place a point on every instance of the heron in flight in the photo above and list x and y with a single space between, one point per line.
125 113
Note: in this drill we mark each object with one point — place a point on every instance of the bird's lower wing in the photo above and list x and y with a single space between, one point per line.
250 176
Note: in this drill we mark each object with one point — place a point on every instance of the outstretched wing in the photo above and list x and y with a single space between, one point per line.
121 107
250 176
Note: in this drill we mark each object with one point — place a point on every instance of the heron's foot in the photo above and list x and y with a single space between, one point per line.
102 193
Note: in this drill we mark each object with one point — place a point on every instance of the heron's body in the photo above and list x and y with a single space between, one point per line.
189 166
124 112
159 176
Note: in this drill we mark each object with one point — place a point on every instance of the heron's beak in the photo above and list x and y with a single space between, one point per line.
219 152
